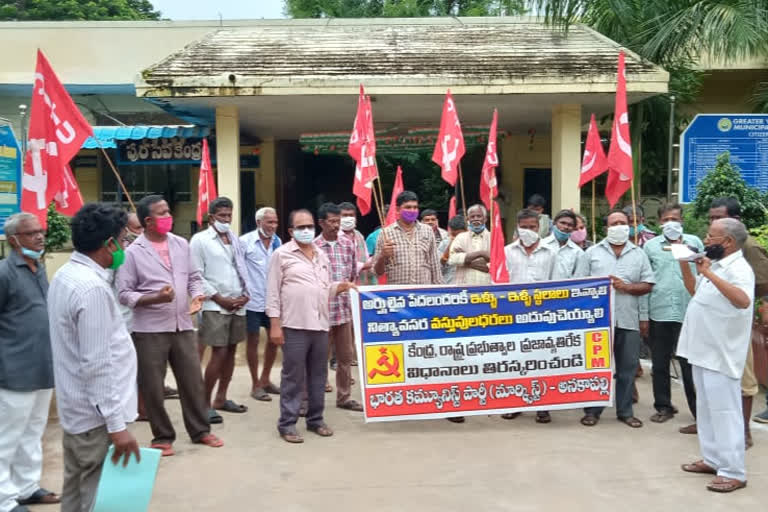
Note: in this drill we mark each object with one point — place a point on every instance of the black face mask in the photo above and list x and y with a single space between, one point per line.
714 251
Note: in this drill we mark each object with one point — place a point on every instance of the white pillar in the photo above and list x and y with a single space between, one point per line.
228 158
566 157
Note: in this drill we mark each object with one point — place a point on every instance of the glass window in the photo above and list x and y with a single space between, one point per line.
170 180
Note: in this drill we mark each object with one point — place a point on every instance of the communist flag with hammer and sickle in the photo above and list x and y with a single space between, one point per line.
450 142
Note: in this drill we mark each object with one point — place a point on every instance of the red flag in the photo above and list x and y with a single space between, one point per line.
397 188
362 148
68 199
488 183
206 185
498 264
452 208
594 163
450 142
57 130
620 173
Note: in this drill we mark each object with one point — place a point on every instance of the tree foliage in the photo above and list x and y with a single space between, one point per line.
725 180
58 232
400 8
62 10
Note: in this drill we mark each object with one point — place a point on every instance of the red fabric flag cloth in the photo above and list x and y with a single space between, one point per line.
57 131
450 142
619 161
362 148
68 199
488 183
594 162
206 185
452 208
397 188
498 264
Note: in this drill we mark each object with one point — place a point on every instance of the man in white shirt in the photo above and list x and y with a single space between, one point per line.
471 250
218 256
259 245
94 360
714 339
568 253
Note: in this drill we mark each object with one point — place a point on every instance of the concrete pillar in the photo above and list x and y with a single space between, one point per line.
566 157
266 176
228 158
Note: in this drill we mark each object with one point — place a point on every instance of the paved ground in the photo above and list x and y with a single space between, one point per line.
486 464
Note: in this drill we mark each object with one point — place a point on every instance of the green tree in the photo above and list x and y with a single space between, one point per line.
400 8
58 232
725 180
60 10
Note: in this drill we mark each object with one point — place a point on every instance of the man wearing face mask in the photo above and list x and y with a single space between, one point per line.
471 250
406 251
568 253
299 288
643 233
667 304
134 228
729 207
218 256
579 235
159 280
528 259
259 245
715 338
631 277
93 356
348 229
26 372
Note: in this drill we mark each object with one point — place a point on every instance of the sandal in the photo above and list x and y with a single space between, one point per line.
723 484
170 393
292 437
166 449
328 388
321 430
511 415
699 467
543 417
690 429
214 418
41 497
210 440
351 405
662 416
456 419
631 421
230 406
589 420
261 395
272 389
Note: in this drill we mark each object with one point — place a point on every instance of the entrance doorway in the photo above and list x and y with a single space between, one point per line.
538 181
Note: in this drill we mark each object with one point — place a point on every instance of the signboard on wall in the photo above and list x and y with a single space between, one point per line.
744 136
174 150
10 175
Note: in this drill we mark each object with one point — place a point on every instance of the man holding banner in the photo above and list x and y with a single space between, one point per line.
632 277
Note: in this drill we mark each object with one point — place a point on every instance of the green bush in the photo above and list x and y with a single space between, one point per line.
725 181
58 230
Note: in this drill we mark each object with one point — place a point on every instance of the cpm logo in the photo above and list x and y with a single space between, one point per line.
598 349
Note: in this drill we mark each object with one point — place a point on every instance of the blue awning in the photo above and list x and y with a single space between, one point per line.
107 135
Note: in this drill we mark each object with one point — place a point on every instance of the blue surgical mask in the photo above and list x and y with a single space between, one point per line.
477 229
29 253
559 235
640 229
304 236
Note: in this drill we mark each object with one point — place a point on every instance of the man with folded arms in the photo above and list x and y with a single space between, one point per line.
714 339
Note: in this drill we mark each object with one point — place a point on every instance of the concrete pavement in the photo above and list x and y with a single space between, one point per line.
486 464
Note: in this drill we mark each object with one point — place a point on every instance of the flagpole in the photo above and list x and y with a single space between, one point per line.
117 174
634 206
594 215
461 181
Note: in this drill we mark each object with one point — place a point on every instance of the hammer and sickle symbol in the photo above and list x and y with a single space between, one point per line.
390 368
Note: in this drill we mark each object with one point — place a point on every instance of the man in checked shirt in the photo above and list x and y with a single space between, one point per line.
341 254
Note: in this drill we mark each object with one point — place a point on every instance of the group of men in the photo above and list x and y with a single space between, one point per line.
123 309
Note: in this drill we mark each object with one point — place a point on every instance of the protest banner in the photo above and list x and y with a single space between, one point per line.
439 351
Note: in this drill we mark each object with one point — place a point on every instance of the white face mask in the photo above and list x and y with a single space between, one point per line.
304 236
527 237
348 223
617 235
673 230
221 227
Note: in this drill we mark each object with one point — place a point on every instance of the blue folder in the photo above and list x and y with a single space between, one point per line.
127 489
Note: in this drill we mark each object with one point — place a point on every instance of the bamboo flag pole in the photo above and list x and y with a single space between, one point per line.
594 215
634 206
461 187
117 174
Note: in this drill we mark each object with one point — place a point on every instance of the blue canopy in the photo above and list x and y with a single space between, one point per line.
107 135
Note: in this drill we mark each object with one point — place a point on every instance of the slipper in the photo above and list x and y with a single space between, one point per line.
543 417
353 363
166 449
456 419
322 430
292 437
631 421
690 429
170 393
261 395
723 484
210 440
699 467
41 497
214 418
230 406
328 388
510 415
141 417
662 416
351 405
272 389
589 420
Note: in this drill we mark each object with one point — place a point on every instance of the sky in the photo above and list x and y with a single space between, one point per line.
210 10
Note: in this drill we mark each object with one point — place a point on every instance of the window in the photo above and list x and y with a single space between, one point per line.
169 180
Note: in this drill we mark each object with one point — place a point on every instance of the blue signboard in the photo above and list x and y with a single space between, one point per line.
744 136
10 175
